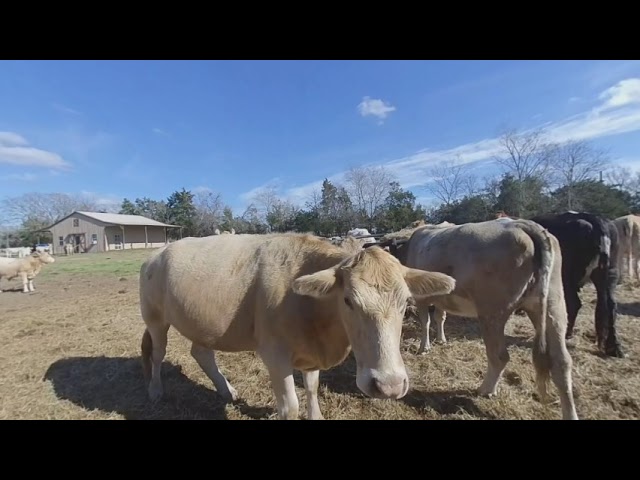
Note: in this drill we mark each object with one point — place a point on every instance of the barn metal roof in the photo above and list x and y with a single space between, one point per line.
121 219
115 219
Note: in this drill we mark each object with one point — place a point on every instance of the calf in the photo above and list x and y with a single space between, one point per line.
589 246
26 268
499 267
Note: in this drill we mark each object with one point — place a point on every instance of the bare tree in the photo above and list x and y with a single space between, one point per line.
525 155
450 180
623 178
314 199
265 199
281 215
209 211
575 162
274 211
368 188
46 208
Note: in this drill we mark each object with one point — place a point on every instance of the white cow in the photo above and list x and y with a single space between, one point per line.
295 299
361 232
26 268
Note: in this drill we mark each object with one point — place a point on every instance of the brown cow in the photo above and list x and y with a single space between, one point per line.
298 301
500 267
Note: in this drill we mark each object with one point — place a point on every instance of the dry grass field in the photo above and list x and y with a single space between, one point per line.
71 351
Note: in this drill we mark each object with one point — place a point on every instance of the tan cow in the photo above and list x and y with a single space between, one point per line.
628 228
500 267
26 268
295 299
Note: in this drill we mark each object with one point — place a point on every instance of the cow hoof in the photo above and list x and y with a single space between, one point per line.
230 396
155 392
616 352
483 391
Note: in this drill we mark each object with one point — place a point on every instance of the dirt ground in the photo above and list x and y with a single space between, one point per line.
71 351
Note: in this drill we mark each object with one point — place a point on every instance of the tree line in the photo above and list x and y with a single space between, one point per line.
538 175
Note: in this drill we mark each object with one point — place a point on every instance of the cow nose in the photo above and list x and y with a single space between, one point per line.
394 386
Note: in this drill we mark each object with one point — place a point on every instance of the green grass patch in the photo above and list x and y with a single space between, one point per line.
122 263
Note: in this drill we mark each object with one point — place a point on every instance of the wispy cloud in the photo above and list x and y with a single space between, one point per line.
375 107
618 112
626 92
15 150
632 163
64 109
273 183
159 131
20 177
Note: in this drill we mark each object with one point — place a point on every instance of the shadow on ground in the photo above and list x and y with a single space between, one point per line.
632 309
116 385
457 329
342 379
14 290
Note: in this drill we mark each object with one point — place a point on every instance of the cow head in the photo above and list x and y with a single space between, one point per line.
372 290
43 257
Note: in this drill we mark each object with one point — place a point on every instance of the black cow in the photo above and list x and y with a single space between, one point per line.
589 245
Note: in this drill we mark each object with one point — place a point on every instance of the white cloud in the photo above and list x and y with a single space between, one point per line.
632 163
159 131
375 107
11 139
202 189
65 109
625 92
247 197
574 99
618 113
15 150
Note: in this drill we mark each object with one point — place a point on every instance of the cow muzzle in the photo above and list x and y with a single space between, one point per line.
383 386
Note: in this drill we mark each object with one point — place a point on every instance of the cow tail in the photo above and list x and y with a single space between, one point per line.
544 259
605 245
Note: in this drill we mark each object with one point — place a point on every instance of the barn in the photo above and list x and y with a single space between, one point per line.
91 232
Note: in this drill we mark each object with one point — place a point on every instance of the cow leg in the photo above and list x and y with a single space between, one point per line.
574 304
425 321
25 283
606 335
492 329
550 355
158 333
206 359
311 383
280 369
440 317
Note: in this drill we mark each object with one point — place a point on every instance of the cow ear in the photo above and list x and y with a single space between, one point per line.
427 284
317 285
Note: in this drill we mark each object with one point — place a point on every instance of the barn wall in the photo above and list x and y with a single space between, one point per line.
67 231
134 237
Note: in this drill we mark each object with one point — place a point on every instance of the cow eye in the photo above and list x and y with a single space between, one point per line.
348 302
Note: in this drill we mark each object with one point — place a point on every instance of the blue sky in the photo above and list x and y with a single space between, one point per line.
114 129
